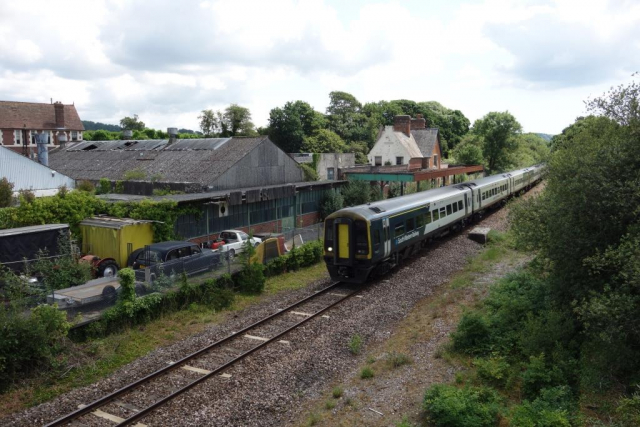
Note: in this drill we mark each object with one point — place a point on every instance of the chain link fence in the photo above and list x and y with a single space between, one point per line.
87 302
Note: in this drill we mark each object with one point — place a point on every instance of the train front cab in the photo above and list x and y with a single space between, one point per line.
347 248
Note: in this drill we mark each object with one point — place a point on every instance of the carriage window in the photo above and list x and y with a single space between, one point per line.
420 220
410 224
399 230
328 233
483 196
427 218
449 210
460 205
436 216
443 212
376 238
455 207
362 238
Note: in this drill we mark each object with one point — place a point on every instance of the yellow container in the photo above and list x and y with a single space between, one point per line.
115 238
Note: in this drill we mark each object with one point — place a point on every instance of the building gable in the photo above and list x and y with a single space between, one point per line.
40 116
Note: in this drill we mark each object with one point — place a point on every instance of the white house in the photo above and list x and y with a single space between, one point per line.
407 142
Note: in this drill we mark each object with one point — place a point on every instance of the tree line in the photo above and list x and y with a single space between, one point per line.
347 125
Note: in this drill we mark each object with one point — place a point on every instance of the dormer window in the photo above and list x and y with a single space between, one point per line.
17 136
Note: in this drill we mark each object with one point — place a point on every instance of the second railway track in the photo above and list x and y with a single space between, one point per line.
134 401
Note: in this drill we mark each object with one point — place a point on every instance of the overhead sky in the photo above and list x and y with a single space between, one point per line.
166 60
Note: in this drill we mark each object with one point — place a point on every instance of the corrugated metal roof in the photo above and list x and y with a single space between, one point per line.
111 222
32 229
191 161
26 174
214 195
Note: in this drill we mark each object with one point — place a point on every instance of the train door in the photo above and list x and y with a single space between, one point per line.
386 237
343 238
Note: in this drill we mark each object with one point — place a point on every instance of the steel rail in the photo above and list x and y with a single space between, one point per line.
142 413
128 388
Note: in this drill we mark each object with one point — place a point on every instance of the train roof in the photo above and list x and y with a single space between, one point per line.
389 207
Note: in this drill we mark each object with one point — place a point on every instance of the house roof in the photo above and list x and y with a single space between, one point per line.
426 140
17 115
26 174
199 161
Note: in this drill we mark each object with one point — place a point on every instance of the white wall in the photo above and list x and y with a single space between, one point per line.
389 147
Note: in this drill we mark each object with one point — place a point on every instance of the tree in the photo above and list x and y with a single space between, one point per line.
499 131
356 193
132 123
101 135
6 193
288 126
324 141
236 121
469 151
346 118
209 123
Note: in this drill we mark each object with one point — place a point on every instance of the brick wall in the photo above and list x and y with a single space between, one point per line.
402 124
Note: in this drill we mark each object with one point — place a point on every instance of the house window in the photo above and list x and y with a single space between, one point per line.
399 160
330 173
435 160
378 161
17 137
80 136
74 135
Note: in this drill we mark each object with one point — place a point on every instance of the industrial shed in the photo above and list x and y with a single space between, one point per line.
211 164
26 174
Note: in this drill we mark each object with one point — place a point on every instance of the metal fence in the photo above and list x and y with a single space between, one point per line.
87 302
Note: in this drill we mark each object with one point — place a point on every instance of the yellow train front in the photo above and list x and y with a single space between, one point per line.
348 250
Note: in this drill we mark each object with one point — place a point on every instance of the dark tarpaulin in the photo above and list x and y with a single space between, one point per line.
16 247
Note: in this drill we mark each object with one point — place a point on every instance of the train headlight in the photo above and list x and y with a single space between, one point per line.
329 249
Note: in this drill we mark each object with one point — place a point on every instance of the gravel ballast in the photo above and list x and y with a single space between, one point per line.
269 387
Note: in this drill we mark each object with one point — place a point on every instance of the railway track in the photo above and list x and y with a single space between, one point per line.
134 401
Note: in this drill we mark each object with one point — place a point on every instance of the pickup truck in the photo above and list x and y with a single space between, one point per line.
235 241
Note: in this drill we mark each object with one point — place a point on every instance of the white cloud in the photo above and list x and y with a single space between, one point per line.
168 60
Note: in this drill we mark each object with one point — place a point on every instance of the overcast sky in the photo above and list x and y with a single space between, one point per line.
166 60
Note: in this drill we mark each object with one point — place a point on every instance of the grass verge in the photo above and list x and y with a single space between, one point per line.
86 363
402 354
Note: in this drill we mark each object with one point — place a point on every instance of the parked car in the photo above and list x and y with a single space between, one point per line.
235 241
173 257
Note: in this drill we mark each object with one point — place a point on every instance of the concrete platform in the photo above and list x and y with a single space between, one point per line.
480 234
84 294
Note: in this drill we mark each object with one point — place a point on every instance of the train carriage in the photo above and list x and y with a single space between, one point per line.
371 239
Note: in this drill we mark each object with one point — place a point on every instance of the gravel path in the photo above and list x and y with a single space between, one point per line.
270 387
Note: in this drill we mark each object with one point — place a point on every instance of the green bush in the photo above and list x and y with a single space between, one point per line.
331 202
629 410
6 193
493 370
472 335
337 392
539 375
551 409
250 279
85 186
127 279
276 266
28 342
355 344
449 406
366 373
104 187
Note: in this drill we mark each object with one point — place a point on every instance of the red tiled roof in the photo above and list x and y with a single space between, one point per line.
15 115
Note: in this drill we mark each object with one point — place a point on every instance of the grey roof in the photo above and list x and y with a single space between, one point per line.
215 195
32 229
190 160
426 140
26 174
112 222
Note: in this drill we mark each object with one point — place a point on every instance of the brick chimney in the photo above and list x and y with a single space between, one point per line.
402 124
418 123
59 109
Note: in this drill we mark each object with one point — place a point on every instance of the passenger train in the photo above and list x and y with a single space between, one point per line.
369 240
